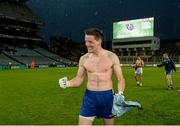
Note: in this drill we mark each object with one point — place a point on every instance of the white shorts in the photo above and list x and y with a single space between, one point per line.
139 70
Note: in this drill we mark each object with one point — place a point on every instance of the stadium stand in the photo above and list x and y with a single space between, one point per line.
18 24
170 47
128 49
20 42
52 56
19 28
5 60
150 50
65 47
18 11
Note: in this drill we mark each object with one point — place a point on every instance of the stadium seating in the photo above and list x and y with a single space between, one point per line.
5 60
17 11
53 56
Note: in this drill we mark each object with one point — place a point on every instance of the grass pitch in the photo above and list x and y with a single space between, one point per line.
33 97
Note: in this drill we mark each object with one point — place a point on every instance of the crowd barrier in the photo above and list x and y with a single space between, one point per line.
4 67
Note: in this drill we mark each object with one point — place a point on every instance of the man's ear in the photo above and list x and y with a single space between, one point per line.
100 41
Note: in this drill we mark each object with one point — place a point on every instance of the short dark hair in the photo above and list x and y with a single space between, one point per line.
95 32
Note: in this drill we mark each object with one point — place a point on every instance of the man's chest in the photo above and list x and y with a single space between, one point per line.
100 64
139 62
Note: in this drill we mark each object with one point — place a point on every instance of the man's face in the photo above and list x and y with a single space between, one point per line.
138 58
91 43
165 56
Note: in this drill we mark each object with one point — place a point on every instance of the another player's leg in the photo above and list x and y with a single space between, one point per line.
137 79
140 76
140 79
169 82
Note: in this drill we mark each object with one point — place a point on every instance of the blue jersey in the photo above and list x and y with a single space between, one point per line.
167 64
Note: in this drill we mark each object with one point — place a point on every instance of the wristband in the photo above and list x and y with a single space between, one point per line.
68 84
120 92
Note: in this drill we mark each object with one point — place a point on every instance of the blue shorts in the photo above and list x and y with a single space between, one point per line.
168 72
97 103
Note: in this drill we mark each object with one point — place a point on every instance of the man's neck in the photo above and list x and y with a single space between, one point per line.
99 52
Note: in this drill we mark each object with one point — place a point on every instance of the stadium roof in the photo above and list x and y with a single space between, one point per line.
20 12
15 0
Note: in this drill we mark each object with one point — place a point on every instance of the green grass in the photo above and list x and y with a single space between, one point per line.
32 96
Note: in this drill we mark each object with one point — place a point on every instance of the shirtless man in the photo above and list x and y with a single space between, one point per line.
99 65
139 64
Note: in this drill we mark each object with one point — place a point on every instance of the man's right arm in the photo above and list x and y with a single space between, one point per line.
162 64
77 81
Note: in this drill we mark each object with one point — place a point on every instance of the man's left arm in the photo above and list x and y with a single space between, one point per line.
142 62
119 75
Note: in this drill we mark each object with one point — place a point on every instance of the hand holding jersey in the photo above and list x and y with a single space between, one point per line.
64 83
121 93
121 106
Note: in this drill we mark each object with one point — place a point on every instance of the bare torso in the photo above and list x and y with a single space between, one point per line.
99 69
139 63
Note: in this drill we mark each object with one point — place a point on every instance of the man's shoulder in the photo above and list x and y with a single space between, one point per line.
110 53
113 57
85 56
83 59
142 61
167 61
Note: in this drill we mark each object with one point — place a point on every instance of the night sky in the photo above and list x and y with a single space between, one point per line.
69 18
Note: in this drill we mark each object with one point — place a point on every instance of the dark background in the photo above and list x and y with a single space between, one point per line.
69 18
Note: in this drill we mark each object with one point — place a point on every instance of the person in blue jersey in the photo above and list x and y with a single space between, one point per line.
169 67
98 65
